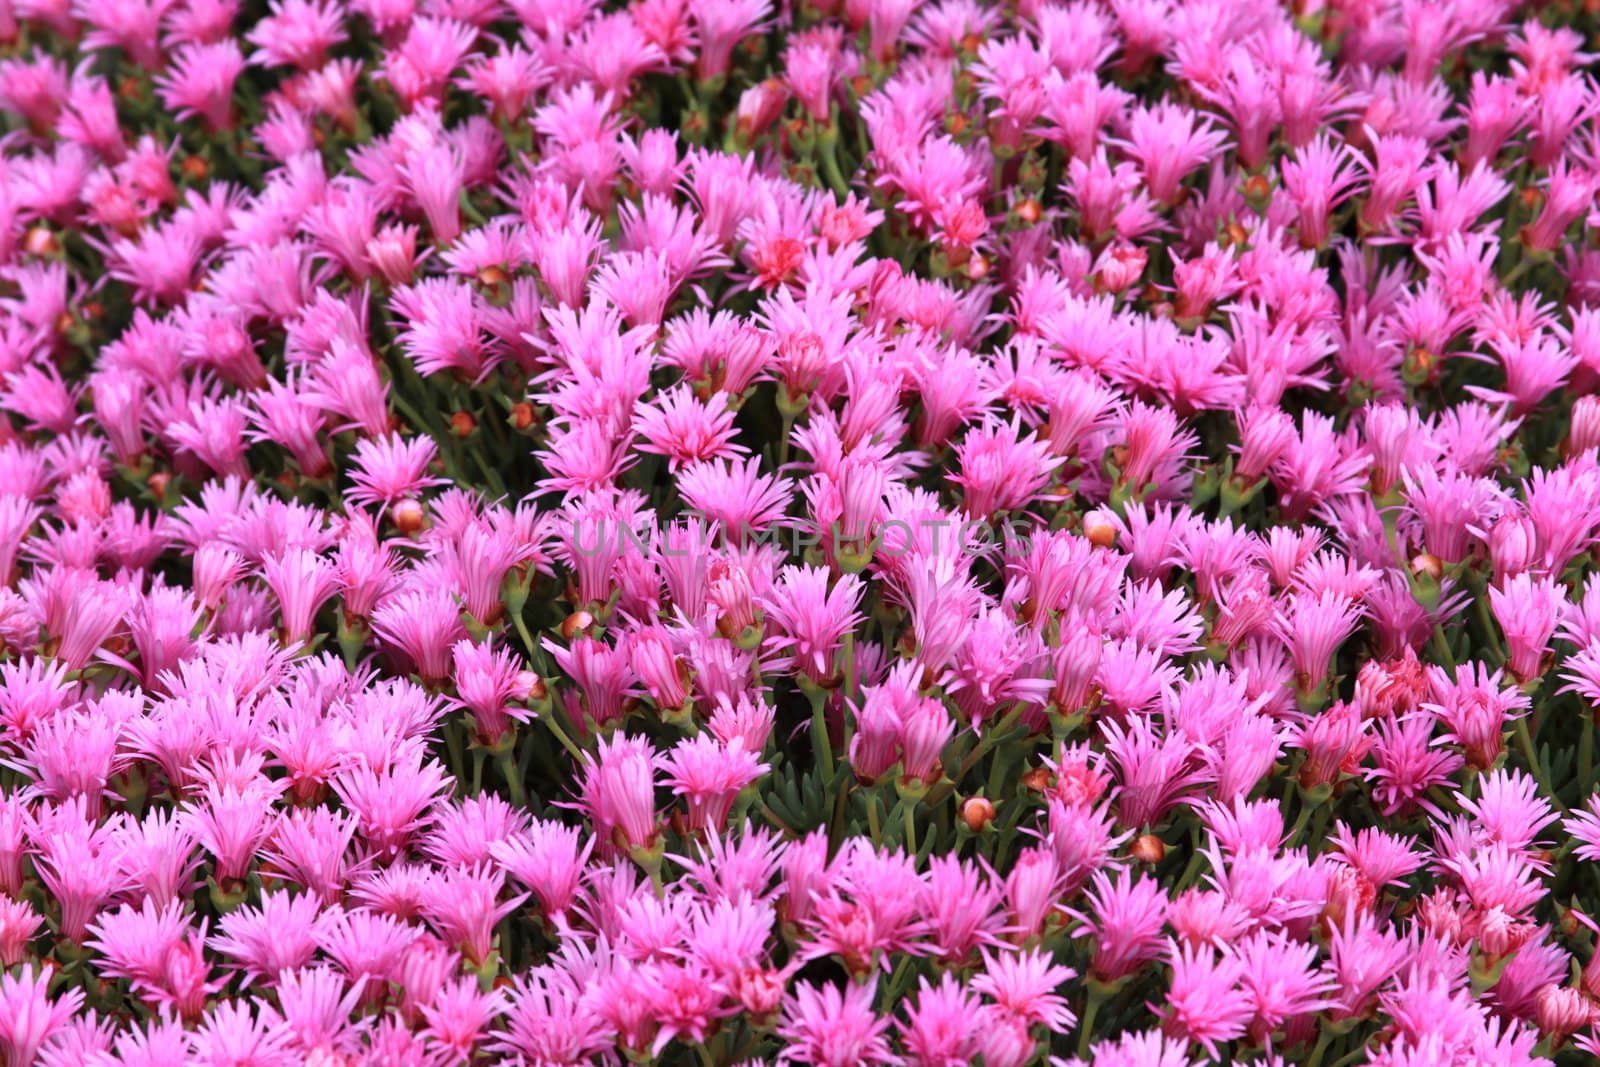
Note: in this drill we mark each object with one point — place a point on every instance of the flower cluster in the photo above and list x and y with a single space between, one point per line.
489 570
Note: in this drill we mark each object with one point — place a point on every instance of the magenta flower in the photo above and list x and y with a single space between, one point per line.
830 1027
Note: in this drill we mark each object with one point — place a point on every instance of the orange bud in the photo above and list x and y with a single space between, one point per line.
1037 780
39 241
1429 564
527 685
977 813
1099 529
409 516
1148 848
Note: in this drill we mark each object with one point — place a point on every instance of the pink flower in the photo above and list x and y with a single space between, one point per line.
1476 708
710 774
423 625
1204 1001
298 33
391 468
1169 142
28 1015
812 616
833 1027
199 82
443 331
1527 609
1023 986
943 1025
618 793
548 860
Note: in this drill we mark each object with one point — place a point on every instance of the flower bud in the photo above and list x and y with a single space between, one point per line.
1099 529
409 516
39 241
1037 780
1426 564
977 813
527 685
1148 848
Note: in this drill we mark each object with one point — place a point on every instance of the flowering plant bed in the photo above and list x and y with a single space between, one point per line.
696 531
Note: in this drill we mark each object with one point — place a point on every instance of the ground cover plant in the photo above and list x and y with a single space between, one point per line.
715 532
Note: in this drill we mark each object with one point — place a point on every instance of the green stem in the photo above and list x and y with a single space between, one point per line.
986 741
830 166
452 745
1441 648
1323 1040
522 632
850 667
835 824
1529 753
1086 1025
1486 620
1352 1057
783 441
561 735
508 770
1586 751
819 737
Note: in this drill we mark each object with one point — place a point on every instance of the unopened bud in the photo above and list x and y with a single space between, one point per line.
409 517
462 424
39 241
1037 780
527 685
1148 848
977 813
575 623
1099 529
1426 563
